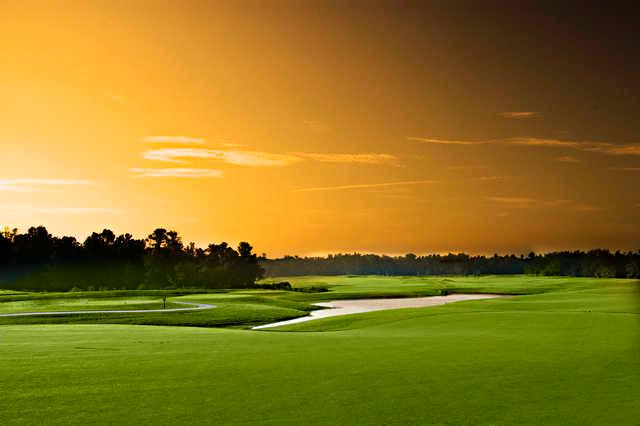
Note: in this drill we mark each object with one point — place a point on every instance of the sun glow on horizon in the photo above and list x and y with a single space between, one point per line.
314 128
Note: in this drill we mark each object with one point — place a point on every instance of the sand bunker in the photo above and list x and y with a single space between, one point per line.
358 306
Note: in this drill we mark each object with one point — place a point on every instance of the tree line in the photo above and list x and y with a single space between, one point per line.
37 261
594 263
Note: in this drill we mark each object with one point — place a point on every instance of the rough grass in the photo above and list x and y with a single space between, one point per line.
569 356
84 304
247 308
358 286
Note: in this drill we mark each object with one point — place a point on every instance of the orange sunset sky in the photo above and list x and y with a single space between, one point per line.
316 127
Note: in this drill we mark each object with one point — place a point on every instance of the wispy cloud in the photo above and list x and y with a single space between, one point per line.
348 158
237 157
568 159
490 178
627 169
518 115
175 139
444 141
587 146
119 99
586 207
32 185
525 202
600 147
468 167
364 185
261 159
513 200
317 126
28 208
176 172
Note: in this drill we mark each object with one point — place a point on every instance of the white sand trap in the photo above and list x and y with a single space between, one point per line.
358 306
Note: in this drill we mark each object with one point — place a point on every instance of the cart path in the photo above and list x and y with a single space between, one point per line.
194 307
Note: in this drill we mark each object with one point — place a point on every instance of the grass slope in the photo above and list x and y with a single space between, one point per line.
247 308
569 356
358 286
84 304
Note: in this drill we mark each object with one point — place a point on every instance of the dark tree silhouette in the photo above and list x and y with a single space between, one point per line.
157 239
36 260
595 263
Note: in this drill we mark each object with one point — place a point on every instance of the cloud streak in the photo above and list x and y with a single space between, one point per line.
587 146
518 115
526 203
261 159
363 186
317 126
236 157
119 99
568 159
490 178
32 185
444 141
176 173
520 201
348 158
599 147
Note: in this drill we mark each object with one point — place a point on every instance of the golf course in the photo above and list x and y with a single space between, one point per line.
319 212
558 350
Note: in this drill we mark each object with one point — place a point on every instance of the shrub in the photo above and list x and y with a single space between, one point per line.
282 285
312 289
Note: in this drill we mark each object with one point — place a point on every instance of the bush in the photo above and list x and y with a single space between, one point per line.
312 289
282 285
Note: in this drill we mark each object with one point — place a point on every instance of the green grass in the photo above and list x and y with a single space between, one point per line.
247 308
84 304
569 354
238 308
11 295
349 287
9 292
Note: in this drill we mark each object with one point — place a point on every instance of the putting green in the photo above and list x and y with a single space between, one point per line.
570 356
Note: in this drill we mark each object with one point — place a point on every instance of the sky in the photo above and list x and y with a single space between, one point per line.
315 127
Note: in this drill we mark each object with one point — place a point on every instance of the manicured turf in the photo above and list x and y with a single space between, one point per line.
240 308
247 308
84 304
568 356
350 286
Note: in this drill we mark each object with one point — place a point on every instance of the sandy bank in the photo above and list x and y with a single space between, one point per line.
357 306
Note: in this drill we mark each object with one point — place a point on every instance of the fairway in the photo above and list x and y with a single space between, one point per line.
567 356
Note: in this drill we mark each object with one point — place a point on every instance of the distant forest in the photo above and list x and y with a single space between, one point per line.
37 261
594 263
